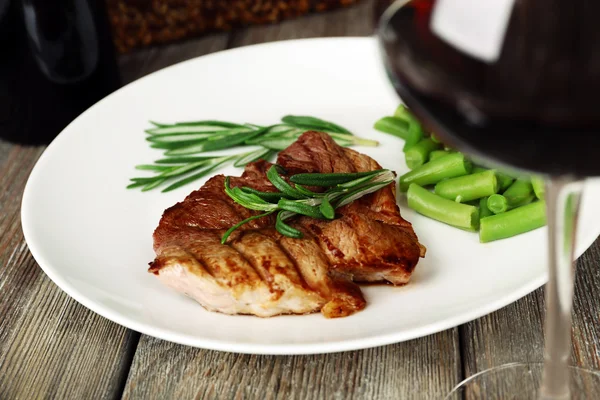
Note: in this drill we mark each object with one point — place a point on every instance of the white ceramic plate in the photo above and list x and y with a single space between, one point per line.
94 238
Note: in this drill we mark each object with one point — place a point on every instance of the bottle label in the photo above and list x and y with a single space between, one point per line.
475 27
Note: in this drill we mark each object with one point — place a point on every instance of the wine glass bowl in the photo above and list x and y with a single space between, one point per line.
522 381
457 97
482 97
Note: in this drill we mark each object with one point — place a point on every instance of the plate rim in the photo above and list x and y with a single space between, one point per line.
249 348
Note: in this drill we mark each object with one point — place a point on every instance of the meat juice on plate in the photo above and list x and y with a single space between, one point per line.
535 107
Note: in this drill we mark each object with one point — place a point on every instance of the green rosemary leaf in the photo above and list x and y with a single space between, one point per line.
284 228
236 226
332 179
327 209
152 167
282 185
308 193
181 140
299 208
152 185
217 144
275 144
184 160
370 188
271 197
196 176
314 124
248 200
213 123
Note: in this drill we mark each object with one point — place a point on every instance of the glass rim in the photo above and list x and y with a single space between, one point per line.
513 365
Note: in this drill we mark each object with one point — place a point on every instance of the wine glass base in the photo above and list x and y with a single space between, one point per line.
522 381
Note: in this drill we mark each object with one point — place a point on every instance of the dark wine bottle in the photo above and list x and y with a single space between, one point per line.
57 60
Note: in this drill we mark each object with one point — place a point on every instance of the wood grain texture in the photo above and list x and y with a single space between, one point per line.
50 346
145 61
586 316
512 334
515 333
426 368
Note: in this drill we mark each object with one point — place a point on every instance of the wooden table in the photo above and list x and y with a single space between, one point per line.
53 347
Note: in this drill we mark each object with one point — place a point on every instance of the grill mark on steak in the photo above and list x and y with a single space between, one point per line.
344 297
294 263
319 233
205 267
260 252
227 264
263 273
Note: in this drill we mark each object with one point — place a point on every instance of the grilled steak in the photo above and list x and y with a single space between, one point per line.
259 271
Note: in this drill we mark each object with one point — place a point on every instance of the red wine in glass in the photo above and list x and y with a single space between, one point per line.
539 98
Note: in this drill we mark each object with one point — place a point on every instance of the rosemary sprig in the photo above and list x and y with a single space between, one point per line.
183 141
343 189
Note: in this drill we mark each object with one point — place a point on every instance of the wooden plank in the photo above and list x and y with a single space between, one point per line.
144 61
50 346
515 333
512 334
425 369
586 316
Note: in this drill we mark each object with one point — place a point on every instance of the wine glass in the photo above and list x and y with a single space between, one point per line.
513 85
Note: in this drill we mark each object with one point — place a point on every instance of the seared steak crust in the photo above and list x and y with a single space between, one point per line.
259 271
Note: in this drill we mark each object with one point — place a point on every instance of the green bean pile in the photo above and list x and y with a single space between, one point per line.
342 189
466 196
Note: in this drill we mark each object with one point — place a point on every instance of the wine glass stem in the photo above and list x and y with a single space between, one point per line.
562 201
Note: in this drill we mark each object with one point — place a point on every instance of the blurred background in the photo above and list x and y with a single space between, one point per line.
136 23
59 57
